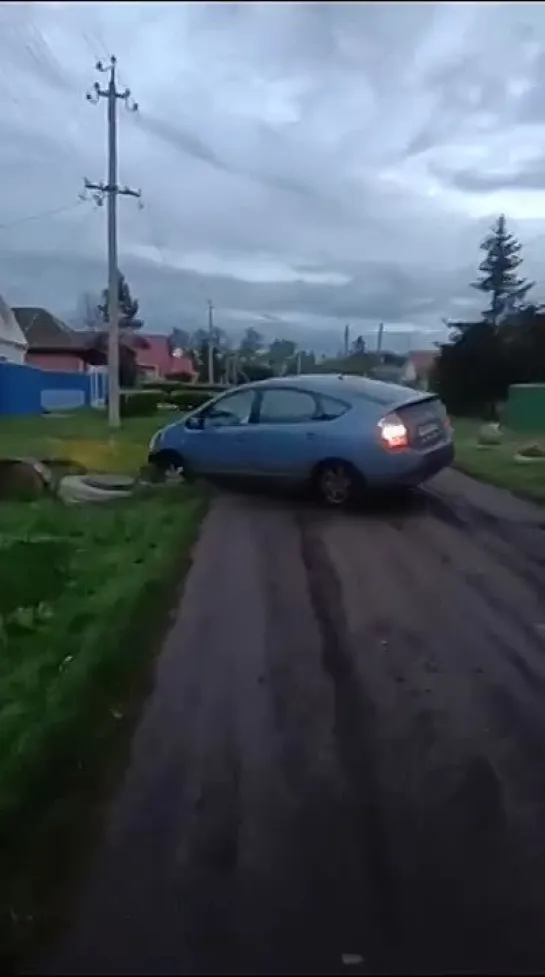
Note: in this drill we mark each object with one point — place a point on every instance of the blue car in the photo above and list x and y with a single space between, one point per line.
338 434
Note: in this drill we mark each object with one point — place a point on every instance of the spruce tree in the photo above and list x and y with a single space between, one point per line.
128 307
499 277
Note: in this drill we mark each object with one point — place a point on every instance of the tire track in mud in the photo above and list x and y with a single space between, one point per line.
452 844
498 593
353 733
502 602
424 877
343 754
419 905
517 546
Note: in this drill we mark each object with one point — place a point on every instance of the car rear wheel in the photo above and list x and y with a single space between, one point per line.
170 464
337 483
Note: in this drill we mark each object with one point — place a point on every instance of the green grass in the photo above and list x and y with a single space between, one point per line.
84 435
83 594
496 465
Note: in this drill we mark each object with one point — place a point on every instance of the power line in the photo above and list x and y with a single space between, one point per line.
111 191
75 232
45 63
42 214
154 240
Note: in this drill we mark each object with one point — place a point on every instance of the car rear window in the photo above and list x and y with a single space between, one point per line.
387 393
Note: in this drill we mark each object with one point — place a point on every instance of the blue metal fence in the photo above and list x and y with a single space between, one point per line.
29 390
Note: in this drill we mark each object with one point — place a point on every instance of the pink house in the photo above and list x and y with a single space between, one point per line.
52 345
156 360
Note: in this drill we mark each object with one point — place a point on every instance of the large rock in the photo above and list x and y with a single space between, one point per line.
24 479
490 435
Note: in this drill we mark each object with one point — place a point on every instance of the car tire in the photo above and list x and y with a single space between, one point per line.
337 483
171 463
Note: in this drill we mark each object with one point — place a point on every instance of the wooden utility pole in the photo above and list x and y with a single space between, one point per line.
210 342
110 190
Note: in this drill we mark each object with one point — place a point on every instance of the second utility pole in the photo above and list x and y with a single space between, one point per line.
111 191
210 342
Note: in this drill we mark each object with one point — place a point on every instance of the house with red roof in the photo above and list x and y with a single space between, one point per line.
53 345
156 358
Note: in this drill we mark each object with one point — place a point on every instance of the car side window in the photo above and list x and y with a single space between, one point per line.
287 407
332 408
231 411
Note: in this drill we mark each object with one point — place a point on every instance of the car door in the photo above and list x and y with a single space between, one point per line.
218 445
284 442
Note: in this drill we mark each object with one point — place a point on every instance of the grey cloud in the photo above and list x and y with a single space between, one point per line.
168 296
531 177
275 142
186 142
25 49
193 146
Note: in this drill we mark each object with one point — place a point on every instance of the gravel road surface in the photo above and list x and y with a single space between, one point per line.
342 766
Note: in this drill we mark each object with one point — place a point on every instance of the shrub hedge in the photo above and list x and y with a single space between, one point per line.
184 396
167 386
189 399
139 402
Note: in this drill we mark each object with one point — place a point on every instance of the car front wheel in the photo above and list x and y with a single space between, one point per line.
337 484
169 464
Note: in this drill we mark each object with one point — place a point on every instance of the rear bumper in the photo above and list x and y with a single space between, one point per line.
414 467
436 460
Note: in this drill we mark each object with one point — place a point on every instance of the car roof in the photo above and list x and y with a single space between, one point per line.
342 385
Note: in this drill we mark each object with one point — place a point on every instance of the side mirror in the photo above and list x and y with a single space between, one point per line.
195 422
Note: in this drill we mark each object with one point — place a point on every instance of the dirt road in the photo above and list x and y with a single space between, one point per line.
344 752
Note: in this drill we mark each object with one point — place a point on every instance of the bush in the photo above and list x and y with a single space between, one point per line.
212 388
179 377
189 399
168 386
139 403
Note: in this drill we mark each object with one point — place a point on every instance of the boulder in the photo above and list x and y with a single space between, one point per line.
24 479
490 435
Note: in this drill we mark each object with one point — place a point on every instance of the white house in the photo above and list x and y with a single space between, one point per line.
13 344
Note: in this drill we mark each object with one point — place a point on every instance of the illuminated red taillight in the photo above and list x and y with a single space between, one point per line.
393 433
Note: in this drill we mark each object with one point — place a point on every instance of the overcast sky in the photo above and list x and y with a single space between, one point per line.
304 165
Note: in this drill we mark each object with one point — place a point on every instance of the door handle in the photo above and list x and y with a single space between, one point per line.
310 436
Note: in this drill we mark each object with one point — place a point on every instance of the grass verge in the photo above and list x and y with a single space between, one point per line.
83 436
84 593
496 464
